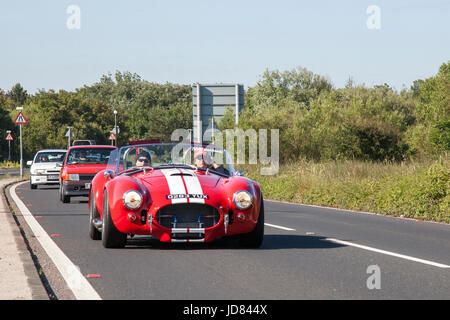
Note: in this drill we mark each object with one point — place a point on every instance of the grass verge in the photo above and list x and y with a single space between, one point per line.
410 189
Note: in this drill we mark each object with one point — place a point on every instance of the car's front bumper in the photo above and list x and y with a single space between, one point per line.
75 189
44 179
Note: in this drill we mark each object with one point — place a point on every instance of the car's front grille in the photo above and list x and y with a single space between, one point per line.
188 215
52 172
86 177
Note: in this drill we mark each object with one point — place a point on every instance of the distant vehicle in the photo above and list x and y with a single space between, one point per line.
83 142
79 168
44 167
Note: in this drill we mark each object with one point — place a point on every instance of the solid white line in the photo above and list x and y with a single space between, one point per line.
431 263
278 227
79 285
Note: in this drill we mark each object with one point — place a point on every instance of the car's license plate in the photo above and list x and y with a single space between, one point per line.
87 185
53 177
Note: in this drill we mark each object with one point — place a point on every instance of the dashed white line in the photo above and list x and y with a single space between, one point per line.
389 253
278 227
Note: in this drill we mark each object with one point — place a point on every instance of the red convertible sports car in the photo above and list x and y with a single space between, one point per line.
174 193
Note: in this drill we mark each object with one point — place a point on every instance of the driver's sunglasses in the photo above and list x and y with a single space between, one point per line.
142 159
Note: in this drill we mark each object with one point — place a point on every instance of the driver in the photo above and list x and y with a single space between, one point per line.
202 159
83 156
143 160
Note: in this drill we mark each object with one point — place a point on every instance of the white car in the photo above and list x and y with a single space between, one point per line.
46 166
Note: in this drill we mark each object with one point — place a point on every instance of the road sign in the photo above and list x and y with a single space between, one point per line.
116 131
20 119
9 137
69 133
112 136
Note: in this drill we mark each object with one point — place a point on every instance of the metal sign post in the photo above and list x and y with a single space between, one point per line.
20 120
21 153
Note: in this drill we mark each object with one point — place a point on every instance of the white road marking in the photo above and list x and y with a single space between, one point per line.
389 253
278 227
80 287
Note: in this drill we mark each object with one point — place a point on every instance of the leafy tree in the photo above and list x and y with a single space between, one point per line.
18 94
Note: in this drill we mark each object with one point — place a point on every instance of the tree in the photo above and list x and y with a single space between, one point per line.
18 94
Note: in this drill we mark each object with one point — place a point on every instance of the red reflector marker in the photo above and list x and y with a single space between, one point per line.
94 276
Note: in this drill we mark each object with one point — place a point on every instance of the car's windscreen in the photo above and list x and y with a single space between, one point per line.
48 156
159 156
89 155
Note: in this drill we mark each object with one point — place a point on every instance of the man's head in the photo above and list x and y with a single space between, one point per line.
202 158
142 160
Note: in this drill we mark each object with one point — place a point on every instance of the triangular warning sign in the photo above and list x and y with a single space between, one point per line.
20 119
9 137
112 136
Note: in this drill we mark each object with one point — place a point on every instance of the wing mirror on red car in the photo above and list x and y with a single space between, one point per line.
108 174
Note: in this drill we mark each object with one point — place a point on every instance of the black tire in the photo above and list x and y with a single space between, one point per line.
255 238
33 186
93 214
111 237
62 197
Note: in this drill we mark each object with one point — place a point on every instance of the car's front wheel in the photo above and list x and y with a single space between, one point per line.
111 237
255 238
33 186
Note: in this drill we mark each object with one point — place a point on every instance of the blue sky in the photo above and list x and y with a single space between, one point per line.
210 41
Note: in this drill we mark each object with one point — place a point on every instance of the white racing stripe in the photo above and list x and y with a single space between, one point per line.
79 285
176 185
193 185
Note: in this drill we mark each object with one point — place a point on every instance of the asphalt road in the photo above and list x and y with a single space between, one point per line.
320 254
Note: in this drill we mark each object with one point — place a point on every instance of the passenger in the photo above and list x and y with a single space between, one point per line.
202 159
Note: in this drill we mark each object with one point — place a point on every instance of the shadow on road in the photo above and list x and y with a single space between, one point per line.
271 242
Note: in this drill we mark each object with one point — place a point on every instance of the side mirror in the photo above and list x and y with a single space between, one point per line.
29 163
239 173
108 174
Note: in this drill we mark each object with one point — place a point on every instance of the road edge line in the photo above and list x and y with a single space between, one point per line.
77 283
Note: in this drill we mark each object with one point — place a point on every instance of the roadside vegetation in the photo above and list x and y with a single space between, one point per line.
365 148
9 164
410 189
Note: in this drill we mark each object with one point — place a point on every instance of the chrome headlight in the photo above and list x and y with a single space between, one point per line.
242 199
132 199
39 171
74 177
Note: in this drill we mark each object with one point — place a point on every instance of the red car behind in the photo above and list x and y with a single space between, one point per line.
80 166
